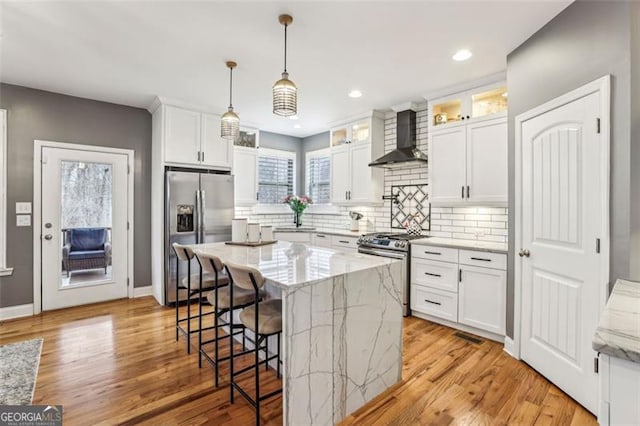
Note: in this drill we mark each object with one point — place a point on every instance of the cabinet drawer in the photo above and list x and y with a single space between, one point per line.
294 237
340 242
322 240
444 254
439 303
431 273
483 259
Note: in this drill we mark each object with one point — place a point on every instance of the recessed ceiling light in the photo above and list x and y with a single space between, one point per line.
293 117
297 126
355 94
462 55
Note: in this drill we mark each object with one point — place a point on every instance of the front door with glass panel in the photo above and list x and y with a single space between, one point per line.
84 227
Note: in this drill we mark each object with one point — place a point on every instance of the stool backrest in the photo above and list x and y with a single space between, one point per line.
184 253
210 263
241 276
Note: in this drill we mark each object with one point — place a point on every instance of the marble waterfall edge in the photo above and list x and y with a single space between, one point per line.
343 343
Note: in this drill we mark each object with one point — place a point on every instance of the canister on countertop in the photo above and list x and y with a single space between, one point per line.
239 230
253 232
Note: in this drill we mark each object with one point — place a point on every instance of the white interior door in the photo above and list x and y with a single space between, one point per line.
84 227
563 183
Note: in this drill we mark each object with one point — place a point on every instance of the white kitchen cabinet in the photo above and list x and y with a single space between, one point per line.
354 145
447 165
192 138
465 288
245 166
482 298
294 237
462 107
340 174
487 162
216 152
321 240
619 383
341 242
468 163
182 135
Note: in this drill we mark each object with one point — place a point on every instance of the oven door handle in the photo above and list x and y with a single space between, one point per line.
385 253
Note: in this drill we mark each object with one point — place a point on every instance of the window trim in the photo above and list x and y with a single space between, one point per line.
326 208
269 208
4 270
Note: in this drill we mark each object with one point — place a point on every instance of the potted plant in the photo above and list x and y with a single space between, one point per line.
298 204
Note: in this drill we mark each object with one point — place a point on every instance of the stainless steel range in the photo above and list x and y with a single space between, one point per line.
394 245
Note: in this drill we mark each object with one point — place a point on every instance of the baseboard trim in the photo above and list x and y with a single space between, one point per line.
510 347
482 333
18 311
143 291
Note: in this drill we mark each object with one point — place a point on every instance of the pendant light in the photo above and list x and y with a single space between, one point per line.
230 122
285 92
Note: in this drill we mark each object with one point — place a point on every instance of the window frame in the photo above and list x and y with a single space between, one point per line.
325 152
4 270
277 153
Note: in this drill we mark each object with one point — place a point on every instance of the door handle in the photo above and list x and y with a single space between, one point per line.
462 194
524 253
48 237
468 192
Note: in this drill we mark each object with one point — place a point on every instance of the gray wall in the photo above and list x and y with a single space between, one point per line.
316 142
35 114
584 42
286 143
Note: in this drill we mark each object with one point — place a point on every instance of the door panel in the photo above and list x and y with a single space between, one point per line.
244 168
447 165
217 200
487 162
217 152
561 219
84 227
360 173
340 183
182 142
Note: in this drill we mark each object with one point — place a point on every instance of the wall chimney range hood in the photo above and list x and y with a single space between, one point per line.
406 154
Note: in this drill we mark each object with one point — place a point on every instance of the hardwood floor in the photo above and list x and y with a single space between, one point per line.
118 363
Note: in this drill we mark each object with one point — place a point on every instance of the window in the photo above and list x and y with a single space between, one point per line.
276 175
3 193
318 176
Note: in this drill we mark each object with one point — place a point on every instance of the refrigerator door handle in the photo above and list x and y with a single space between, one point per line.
203 203
197 216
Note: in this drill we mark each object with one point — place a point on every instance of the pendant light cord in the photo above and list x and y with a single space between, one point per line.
285 47
230 86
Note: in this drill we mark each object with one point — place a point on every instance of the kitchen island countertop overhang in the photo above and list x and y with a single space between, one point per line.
342 324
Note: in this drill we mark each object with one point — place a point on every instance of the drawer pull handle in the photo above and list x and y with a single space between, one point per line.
343 242
433 275
432 302
320 236
480 258
432 252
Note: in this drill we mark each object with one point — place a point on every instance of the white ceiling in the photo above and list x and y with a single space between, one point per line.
393 51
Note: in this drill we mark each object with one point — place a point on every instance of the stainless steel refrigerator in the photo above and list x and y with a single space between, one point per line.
198 209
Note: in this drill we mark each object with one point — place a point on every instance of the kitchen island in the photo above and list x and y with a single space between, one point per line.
342 325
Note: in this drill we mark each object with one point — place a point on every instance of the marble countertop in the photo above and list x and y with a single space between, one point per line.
289 265
463 244
618 333
341 232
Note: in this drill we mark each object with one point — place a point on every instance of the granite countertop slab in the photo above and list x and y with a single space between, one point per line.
288 265
340 232
463 244
618 332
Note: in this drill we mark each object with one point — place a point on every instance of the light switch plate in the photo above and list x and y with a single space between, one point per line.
23 220
23 208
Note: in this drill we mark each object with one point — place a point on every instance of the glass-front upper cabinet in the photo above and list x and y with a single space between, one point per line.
355 132
460 107
247 138
490 101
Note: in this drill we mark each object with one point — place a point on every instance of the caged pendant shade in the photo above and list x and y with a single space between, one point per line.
230 122
285 92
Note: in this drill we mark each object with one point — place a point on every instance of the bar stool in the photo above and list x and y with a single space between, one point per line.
205 283
220 299
265 320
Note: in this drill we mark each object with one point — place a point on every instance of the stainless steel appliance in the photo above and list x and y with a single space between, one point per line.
199 208
394 245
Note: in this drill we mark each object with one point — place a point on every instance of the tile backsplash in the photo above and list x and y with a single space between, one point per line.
469 223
